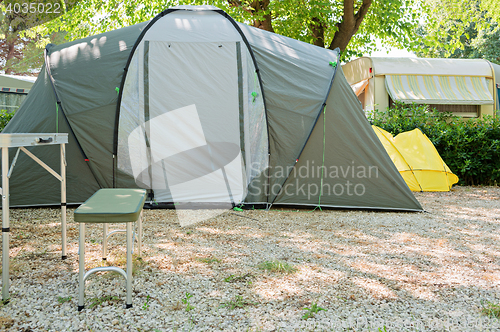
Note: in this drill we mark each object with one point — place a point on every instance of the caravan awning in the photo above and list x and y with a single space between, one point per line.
427 89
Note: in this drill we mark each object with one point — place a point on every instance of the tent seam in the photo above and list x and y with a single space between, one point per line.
59 103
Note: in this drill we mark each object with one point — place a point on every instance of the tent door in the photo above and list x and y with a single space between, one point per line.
192 106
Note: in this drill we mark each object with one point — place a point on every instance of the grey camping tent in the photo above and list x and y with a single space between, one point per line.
195 107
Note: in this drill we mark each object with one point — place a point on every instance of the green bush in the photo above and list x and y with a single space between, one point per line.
5 117
470 147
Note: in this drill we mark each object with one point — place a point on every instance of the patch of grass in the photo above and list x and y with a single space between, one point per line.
277 266
233 278
382 329
17 265
6 322
314 309
238 302
121 261
33 255
100 300
208 260
185 300
257 329
491 309
63 299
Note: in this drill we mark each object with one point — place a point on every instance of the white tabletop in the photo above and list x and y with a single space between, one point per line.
29 139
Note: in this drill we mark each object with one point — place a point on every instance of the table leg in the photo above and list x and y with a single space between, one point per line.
5 225
129 265
81 267
105 229
63 200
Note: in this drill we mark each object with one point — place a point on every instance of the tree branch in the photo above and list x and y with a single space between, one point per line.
350 24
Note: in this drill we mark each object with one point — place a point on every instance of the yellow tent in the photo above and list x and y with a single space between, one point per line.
417 160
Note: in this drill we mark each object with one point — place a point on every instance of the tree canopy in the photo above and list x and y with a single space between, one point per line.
351 25
23 36
431 28
460 29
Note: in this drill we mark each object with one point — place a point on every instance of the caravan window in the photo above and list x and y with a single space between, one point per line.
11 100
468 111
461 110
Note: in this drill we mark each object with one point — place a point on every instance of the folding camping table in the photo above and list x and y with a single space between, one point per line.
21 141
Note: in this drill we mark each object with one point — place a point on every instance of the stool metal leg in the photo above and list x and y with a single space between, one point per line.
105 228
129 266
139 240
81 263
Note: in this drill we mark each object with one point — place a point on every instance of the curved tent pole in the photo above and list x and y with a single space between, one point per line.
337 50
122 83
125 70
59 104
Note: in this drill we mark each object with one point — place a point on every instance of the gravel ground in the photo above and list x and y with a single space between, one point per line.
369 271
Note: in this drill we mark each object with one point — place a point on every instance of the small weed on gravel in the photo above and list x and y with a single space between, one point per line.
277 266
63 299
209 261
185 300
145 306
100 300
233 278
314 309
491 309
238 302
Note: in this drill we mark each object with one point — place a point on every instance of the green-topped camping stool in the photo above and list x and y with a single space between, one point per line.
109 206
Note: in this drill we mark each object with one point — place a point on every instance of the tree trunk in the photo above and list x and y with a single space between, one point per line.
349 25
10 44
318 32
266 24
256 8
